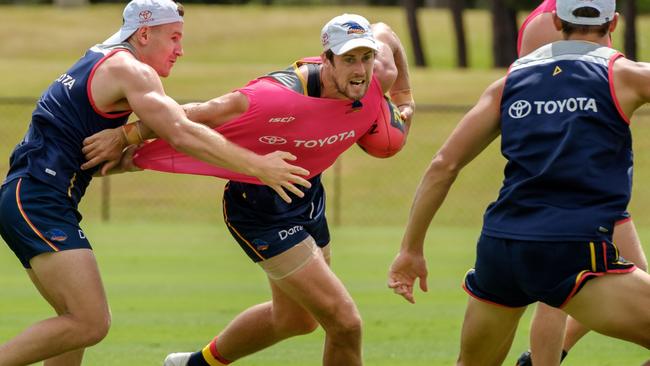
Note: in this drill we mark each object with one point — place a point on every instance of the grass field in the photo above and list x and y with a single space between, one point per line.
174 286
174 276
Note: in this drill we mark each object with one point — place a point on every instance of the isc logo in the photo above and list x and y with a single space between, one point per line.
282 119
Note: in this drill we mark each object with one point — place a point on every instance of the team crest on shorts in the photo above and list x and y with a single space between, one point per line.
56 235
260 244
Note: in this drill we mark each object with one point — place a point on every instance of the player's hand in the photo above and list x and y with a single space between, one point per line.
122 165
406 111
274 171
105 145
403 272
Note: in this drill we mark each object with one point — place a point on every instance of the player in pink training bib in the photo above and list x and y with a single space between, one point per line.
315 110
281 116
538 30
540 22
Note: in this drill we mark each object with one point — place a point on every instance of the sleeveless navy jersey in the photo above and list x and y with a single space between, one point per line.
568 146
65 114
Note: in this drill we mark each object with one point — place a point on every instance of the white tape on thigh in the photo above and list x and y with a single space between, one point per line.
287 263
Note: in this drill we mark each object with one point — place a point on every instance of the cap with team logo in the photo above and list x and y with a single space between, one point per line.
606 8
346 32
142 13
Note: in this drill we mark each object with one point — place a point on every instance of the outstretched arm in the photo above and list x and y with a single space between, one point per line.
478 128
217 111
141 87
107 145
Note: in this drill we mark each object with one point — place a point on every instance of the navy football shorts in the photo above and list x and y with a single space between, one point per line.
37 219
265 226
516 273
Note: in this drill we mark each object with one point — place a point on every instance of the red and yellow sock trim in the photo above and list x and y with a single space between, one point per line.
212 356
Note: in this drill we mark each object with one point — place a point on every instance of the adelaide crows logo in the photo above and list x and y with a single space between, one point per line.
145 16
354 27
56 235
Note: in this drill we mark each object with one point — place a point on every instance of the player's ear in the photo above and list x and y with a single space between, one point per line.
143 34
323 58
613 23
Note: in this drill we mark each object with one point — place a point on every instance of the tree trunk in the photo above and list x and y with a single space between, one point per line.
504 33
629 12
414 30
457 7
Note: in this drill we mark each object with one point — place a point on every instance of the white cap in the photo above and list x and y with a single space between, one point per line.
145 13
346 32
565 9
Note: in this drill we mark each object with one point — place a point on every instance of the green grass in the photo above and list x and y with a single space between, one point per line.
174 286
225 46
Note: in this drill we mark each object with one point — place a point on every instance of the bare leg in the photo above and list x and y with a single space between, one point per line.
263 325
487 334
72 358
574 332
546 325
323 294
546 335
301 301
71 281
627 240
615 305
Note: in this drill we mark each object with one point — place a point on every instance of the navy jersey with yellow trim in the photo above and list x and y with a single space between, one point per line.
293 79
569 149
64 116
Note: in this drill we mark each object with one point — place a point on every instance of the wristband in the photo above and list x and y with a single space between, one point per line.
402 97
132 134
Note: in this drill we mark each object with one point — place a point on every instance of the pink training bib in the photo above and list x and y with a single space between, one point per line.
316 130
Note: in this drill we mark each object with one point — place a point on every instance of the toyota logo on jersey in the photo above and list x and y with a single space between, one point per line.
523 108
272 140
519 109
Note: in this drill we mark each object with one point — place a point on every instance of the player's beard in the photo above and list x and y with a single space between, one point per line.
342 88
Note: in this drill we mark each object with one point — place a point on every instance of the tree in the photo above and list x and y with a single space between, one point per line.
629 12
504 32
457 7
411 8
